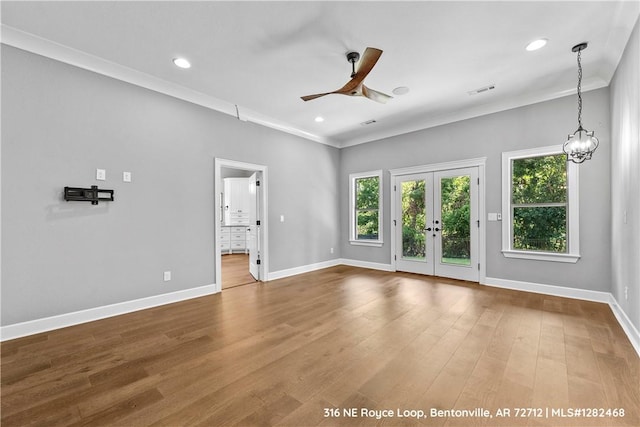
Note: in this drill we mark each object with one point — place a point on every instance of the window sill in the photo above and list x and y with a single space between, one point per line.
542 256
374 243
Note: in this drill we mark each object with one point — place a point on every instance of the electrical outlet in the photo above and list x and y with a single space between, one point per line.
101 174
626 293
167 276
126 176
331 250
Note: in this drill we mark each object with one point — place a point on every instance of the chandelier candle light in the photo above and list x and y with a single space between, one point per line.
581 144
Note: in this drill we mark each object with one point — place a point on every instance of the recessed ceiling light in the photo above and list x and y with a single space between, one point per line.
401 90
181 62
536 44
319 119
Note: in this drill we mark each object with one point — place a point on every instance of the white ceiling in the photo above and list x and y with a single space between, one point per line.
262 56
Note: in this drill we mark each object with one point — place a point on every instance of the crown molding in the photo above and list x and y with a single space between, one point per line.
29 42
470 113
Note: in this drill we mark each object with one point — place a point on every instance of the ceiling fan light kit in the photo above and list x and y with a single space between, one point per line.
580 145
355 86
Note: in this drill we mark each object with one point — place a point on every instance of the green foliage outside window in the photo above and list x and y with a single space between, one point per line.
539 203
413 219
367 209
456 219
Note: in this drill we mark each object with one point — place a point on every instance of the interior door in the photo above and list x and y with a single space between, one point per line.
253 238
436 223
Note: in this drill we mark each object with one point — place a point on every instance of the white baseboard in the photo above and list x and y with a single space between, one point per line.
37 326
365 264
582 294
625 323
326 264
559 291
280 274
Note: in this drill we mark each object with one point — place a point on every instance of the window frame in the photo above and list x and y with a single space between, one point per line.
353 238
573 225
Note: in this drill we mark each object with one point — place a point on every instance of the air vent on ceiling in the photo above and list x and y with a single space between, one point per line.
482 90
368 122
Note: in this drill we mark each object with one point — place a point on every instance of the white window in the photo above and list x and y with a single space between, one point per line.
540 205
365 195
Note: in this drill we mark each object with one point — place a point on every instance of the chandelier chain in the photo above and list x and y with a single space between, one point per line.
579 90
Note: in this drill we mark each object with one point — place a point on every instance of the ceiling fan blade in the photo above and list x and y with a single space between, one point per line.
354 87
368 60
374 95
317 95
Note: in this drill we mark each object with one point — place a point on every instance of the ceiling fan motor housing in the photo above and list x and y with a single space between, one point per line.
353 57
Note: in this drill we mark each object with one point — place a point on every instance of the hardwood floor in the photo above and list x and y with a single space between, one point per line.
291 351
235 270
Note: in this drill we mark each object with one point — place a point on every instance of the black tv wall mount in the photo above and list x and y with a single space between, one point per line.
93 194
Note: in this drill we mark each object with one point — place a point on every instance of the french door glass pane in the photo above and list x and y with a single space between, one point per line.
456 220
413 219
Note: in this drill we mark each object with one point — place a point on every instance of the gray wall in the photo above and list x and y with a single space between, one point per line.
625 179
537 125
60 123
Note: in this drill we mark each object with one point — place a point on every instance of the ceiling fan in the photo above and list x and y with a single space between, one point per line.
355 86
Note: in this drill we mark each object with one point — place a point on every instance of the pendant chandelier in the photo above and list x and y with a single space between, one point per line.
581 144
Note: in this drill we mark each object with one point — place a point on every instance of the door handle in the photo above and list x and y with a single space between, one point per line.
437 229
427 229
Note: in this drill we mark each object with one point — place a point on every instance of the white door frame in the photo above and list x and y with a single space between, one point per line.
482 214
218 204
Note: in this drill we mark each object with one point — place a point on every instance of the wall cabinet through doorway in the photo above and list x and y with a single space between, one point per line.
236 201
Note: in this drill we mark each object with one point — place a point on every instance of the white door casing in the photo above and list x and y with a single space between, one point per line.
433 261
254 225
262 241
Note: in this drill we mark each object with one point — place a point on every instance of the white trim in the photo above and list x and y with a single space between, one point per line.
352 208
434 167
77 58
560 291
376 243
574 293
480 163
573 207
627 326
62 53
264 209
45 324
541 256
428 121
280 274
366 264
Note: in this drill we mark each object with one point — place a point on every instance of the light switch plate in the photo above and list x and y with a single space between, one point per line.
126 176
101 174
492 216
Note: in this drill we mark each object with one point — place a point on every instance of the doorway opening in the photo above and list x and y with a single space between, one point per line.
240 223
436 220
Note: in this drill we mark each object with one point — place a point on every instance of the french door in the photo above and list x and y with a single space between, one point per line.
436 223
